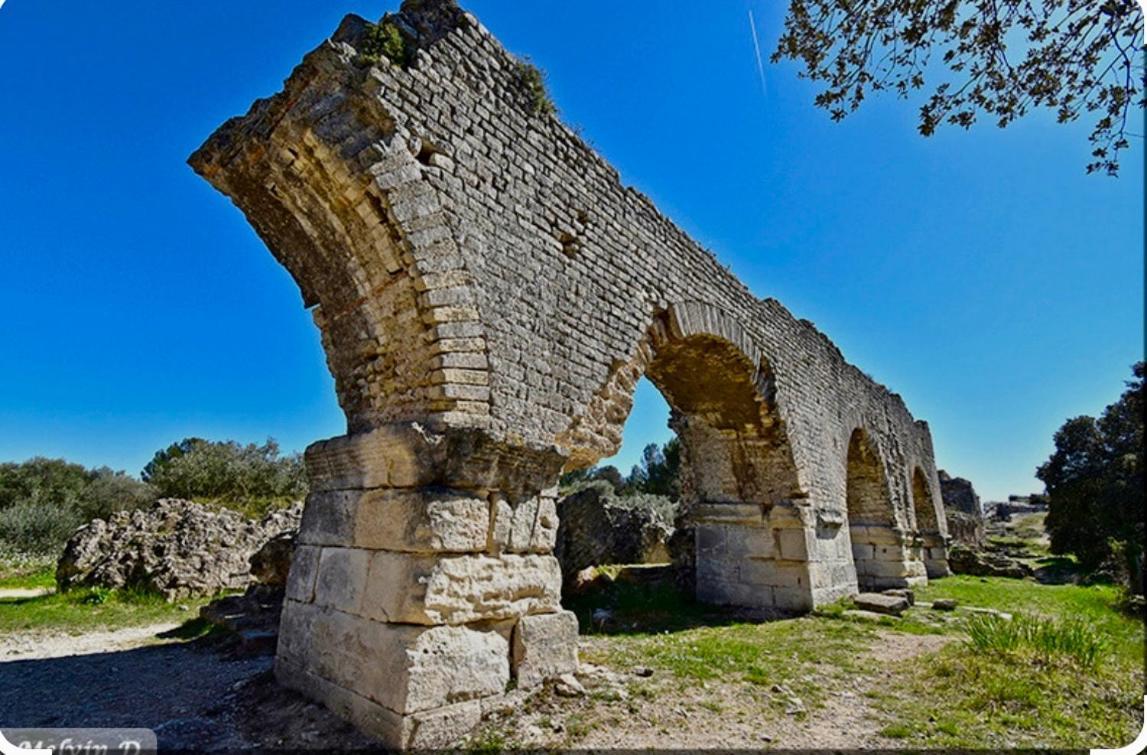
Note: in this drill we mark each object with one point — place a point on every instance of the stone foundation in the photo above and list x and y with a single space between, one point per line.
409 608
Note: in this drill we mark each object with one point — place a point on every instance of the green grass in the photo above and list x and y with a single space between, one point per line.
790 652
41 577
1047 640
1066 672
87 610
1093 604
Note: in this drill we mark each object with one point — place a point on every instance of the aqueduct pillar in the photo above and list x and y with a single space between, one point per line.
488 295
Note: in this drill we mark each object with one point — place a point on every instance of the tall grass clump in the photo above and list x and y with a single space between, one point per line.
1044 639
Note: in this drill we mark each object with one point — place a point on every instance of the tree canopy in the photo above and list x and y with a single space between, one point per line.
657 473
1095 485
227 472
999 59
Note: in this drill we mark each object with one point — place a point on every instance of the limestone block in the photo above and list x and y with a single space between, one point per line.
405 668
328 518
792 598
544 647
793 544
460 589
772 572
889 604
421 521
481 588
723 592
342 578
303 574
529 527
389 456
432 729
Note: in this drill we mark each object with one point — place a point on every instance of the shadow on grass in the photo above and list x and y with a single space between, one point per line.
644 600
1057 570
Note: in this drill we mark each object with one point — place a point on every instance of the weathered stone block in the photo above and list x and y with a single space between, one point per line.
342 578
421 521
544 647
404 668
460 589
303 574
529 527
890 604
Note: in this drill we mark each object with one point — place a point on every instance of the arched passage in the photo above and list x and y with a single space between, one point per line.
870 514
925 507
934 547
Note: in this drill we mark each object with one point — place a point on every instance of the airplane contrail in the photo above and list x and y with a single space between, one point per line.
757 47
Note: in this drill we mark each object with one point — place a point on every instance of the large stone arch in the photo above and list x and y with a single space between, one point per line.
885 553
488 294
931 524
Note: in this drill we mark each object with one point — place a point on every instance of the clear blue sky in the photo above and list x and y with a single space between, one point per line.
982 275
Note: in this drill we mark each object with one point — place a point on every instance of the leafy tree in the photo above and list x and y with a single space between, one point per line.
245 476
996 58
43 501
657 474
39 480
1095 485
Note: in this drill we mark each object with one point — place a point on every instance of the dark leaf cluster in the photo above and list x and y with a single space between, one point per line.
999 59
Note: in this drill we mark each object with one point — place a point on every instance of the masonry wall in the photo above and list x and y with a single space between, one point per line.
489 293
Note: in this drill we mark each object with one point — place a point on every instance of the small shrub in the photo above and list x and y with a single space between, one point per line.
385 40
1042 638
533 82
96 596
37 528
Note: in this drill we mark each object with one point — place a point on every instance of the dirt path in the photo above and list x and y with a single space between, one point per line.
16 593
34 646
196 696
664 713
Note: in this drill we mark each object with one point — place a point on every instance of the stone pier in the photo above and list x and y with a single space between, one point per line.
489 294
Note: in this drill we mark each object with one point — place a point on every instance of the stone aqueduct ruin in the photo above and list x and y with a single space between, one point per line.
489 294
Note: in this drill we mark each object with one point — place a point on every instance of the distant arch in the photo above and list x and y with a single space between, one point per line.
923 503
871 516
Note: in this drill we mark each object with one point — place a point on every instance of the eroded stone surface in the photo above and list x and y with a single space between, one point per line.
544 647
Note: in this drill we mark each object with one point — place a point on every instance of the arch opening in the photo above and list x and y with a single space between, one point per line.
924 506
871 519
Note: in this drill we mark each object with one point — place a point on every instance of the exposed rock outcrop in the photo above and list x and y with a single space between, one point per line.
176 548
965 529
963 560
596 528
959 495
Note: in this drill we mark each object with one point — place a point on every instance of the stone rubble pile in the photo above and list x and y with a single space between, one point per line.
176 548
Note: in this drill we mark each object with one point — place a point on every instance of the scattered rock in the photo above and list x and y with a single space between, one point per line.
902 592
892 605
251 619
944 604
643 671
567 685
964 560
176 548
852 613
271 563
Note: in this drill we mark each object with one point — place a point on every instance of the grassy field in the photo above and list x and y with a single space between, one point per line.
966 697
1042 694
41 577
87 610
